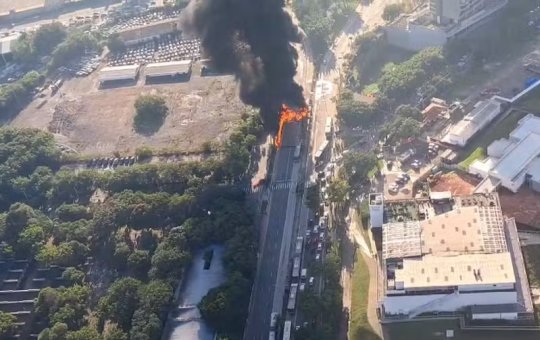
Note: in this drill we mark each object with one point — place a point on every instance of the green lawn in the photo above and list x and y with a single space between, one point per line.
531 102
359 325
478 153
532 260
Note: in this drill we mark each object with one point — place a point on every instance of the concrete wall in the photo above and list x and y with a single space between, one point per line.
415 38
404 304
479 287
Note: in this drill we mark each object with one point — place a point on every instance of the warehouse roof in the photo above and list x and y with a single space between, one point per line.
113 73
170 68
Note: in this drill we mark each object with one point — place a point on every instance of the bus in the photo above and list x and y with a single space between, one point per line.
287 330
297 151
320 153
292 296
328 127
296 267
299 243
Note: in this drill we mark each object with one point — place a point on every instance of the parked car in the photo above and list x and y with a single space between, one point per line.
311 281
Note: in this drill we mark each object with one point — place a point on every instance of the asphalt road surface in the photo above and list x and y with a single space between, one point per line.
258 324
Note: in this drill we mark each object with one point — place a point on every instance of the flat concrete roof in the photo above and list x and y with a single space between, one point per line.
444 271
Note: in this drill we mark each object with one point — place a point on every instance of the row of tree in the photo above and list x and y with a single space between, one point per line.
15 96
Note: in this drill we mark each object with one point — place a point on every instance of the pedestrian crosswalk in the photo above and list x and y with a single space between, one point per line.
284 185
281 185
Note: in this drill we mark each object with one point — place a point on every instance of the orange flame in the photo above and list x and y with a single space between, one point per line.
288 115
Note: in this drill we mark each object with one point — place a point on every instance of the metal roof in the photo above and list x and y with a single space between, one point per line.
112 73
170 68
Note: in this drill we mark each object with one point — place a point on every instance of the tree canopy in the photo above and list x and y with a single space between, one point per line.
150 113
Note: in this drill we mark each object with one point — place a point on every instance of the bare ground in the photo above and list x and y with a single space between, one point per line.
18 5
457 184
97 121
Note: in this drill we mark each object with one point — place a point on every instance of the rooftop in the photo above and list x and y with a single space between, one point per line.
444 271
518 158
6 42
168 68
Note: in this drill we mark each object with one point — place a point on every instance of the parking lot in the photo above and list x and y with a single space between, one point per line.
170 47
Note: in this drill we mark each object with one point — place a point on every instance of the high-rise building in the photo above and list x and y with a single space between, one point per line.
376 210
454 11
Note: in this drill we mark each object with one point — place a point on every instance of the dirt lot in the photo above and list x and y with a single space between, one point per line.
6 6
523 206
97 121
456 183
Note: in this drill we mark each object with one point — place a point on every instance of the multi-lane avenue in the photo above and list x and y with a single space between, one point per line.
274 258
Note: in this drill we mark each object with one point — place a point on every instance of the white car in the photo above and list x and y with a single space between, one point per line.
317 257
311 281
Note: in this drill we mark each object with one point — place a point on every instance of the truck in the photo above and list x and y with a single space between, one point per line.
291 304
297 151
296 267
287 330
303 273
321 151
299 244
328 128
273 320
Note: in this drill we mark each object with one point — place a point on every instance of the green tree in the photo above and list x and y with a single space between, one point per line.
73 276
22 49
47 37
72 212
408 111
115 333
115 44
30 240
352 112
7 324
150 113
338 190
121 301
57 332
155 296
145 326
356 166
85 333
139 263
392 11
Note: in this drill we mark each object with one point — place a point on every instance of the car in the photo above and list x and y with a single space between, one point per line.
321 235
316 229
406 176
317 257
131 160
99 162
319 246
311 281
308 232
302 287
310 223
115 163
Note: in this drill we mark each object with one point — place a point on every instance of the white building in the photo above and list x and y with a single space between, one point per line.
513 161
484 112
376 210
454 261
168 69
118 73
439 21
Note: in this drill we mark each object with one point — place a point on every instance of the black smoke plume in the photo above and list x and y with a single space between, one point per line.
252 39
